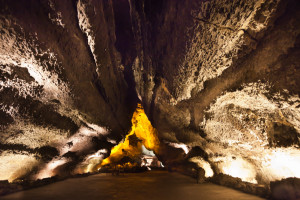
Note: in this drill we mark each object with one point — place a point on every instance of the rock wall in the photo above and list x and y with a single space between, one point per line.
218 79
223 76
62 86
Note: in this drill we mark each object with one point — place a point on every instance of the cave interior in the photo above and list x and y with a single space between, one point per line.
209 89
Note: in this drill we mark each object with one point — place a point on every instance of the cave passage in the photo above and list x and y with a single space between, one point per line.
205 88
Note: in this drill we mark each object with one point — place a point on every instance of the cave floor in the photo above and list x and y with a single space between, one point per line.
148 185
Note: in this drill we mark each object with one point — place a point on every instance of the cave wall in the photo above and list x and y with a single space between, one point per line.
62 86
223 76
218 79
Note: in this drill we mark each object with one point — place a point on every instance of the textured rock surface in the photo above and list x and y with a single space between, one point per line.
218 79
223 76
62 82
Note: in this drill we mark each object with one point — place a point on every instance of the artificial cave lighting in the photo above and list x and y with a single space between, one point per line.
280 163
245 128
204 165
48 170
91 161
142 138
182 146
10 161
271 164
82 138
240 168
82 82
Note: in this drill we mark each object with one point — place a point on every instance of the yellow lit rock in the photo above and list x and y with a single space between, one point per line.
141 133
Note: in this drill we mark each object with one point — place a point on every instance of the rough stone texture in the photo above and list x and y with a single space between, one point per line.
217 78
62 81
223 76
237 183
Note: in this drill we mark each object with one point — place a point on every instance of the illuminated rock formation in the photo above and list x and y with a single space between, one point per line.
62 86
141 134
223 76
218 81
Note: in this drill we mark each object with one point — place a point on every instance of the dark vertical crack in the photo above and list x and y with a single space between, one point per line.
125 44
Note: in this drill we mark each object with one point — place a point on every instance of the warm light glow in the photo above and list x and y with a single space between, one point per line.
143 131
48 170
180 146
204 165
281 163
14 166
82 138
238 167
271 164
239 126
91 161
